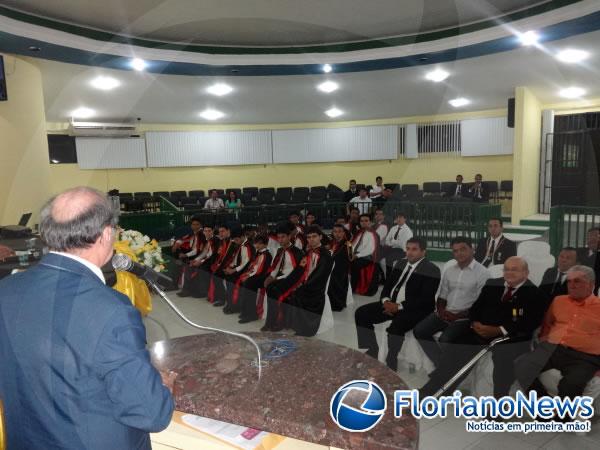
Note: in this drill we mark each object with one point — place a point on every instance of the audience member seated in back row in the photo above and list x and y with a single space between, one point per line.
458 189
282 278
462 282
407 298
307 300
351 192
196 273
214 203
590 254
250 284
478 192
376 191
339 278
496 248
394 246
511 306
244 253
362 202
569 339
365 246
554 281
233 202
225 253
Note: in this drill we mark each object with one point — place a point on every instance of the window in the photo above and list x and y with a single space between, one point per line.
61 149
441 137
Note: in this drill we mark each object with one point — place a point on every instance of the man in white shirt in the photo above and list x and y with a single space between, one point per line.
214 202
394 245
461 284
377 190
362 202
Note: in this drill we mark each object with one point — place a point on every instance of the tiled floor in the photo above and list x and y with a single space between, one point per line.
446 434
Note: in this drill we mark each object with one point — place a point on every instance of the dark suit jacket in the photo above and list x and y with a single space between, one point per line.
464 190
505 250
349 195
420 287
75 370
592 261
548 286
519 317
472 192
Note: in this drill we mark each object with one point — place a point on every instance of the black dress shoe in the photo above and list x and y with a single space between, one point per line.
266 328
183 294
218 303
246 320
228 311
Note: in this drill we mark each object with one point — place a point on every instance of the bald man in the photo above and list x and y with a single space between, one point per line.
75 370
509 306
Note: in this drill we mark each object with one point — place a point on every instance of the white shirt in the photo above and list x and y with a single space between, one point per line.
286 268
245 256
461 287
214 203
382 230
402 292
366 246
363 204
398 242
93 267
376 191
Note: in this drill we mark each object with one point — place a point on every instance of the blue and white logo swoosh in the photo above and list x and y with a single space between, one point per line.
360 419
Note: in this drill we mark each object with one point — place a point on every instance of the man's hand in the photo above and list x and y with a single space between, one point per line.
269 280
390 308
195 263
168 379
5 252
486 331
229 270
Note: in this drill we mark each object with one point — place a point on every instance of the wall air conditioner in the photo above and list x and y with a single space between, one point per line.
102 129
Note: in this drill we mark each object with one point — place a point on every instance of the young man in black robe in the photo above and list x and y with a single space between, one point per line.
241 259
339 280
227 248
249 289
308 299
196 275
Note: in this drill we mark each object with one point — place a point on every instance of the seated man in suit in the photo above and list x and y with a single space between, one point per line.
80 377
244 253
394 246
569 339
554 281
590 255
495 249
338 280
282 279
252 280
308 299
457 190
478 192
510 306
351 192
365 248
407 298
461 284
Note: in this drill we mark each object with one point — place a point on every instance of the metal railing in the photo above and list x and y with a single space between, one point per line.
569 226
437 222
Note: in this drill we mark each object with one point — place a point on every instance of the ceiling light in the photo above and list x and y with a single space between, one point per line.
327 68
211 114
572 92
460 101
334 112
82 113
105 83
529 38
572 55
328 86
437 75
219 89
138 64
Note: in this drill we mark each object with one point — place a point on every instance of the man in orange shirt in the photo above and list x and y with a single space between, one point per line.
569 339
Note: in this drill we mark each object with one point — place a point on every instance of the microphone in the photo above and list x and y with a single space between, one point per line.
124 263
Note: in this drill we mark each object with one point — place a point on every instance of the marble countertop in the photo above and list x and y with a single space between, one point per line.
217 377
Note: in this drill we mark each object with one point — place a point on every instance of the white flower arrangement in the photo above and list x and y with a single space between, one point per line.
147 250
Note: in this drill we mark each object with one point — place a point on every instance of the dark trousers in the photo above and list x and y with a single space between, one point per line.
457 354
576 368
248 296
218 280
372 313
278 314
230 281
433 324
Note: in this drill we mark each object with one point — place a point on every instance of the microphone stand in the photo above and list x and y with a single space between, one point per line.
162 294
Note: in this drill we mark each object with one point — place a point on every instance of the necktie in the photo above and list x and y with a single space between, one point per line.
458 189
507 297
492 250
280 270
397 233
557 282
405 275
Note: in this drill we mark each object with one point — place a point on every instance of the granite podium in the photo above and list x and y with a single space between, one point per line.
217 378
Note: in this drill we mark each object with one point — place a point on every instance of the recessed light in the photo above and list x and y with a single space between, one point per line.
572 55
572 92
328 86
327 68
105 83
334 112
211 114
437 75
529 38
82 113
460 101
219 89
138 64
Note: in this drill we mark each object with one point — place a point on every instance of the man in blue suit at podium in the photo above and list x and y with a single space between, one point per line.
75 371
